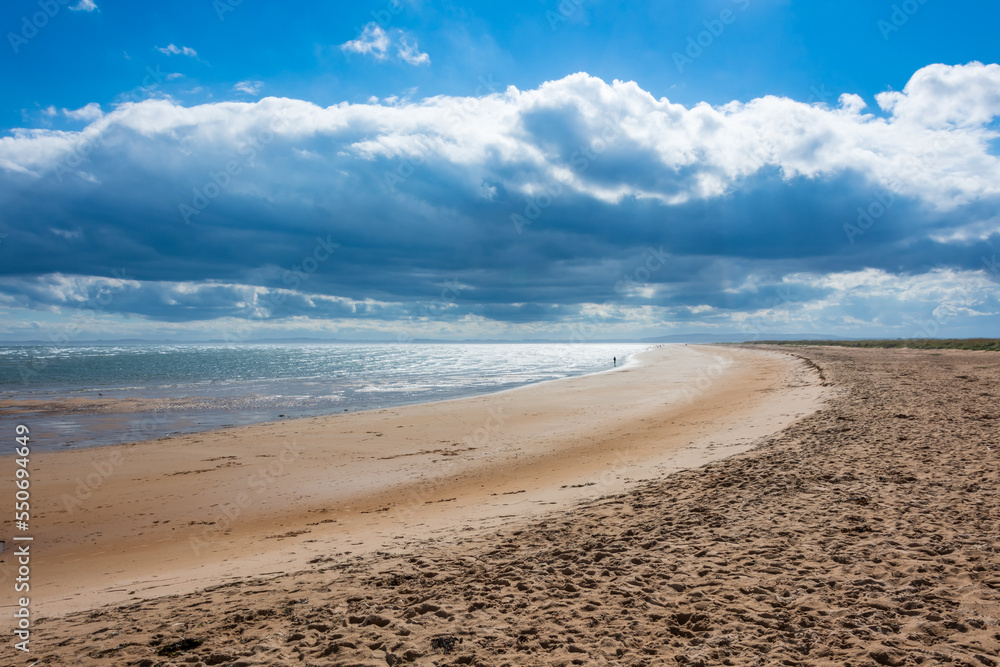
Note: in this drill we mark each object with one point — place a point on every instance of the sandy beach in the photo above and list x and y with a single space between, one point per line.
170 516
817 507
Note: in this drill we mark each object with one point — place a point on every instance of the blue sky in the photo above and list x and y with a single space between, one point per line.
584 169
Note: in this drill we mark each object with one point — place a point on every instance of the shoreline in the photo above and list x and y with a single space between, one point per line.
129 415
194 511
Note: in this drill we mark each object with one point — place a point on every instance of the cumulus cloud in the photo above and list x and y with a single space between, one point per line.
580 200
939 96
83 6
376 42
174 50
572 130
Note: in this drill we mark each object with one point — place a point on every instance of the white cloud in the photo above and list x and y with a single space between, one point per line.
249 87
410 53
376 42
907 305
969 232
230 299
921 304
935 286
174 50
88 113
702 152
939 96
83 6
373 41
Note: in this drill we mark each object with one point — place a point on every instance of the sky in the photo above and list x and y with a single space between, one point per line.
577 170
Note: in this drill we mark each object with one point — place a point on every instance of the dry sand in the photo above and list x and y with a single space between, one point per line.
865 533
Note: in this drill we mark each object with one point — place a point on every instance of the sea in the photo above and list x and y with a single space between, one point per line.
89 395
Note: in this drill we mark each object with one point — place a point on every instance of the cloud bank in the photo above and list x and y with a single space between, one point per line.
578 202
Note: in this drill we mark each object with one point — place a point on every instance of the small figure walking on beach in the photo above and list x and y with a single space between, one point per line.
615 360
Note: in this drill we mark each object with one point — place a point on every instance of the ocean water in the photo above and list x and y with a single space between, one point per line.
65 394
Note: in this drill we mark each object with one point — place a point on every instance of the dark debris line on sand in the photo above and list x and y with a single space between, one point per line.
865 534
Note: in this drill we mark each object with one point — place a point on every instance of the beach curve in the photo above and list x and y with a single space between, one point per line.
127 522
